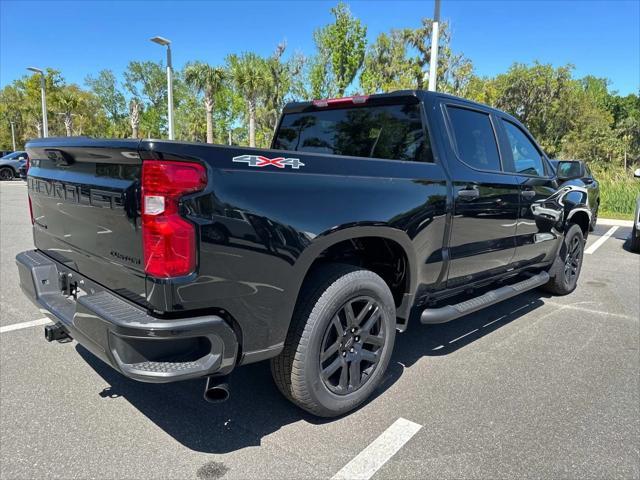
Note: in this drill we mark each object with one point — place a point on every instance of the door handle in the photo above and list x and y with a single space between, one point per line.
528 193
469 194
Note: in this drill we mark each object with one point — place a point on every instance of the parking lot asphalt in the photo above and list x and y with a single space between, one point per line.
535 387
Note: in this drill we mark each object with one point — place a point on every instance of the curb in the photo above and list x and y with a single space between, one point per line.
616 223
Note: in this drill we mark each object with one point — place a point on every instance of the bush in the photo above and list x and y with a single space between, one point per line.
618 189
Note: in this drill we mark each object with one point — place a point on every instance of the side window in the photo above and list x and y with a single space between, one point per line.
475 138
526 157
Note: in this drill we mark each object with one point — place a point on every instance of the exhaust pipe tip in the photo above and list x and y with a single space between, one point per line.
216 390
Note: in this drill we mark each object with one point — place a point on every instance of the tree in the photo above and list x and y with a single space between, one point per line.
111 99
147 82
68 101
251 77
341 48
207 80
283 78
400 60
386 66
134 116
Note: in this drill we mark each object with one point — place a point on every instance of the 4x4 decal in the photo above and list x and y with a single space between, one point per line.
260 161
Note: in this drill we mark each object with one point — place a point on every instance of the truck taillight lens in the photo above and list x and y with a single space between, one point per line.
169 240
31 209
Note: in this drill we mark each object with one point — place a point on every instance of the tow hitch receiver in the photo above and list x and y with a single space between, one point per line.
56 332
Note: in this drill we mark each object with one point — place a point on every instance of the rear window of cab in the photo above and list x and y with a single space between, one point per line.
392 132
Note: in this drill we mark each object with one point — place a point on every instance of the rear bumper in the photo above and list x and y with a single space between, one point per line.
123 335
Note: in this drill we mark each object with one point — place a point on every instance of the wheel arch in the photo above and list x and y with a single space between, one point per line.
399 241
580 216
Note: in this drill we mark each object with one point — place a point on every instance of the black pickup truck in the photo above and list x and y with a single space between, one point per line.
173 260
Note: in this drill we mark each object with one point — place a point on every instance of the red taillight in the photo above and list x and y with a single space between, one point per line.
332 102
168 240
31 210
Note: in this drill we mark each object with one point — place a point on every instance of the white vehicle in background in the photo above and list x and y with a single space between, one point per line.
635 233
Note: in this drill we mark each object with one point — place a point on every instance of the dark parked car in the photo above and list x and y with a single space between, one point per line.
174 260
578 173
10 165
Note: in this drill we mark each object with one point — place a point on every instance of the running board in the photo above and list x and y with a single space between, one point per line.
451 312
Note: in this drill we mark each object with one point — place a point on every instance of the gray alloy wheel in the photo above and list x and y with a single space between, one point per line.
340 340
566 268
352 345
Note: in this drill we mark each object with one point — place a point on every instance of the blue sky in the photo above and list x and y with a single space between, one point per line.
83 37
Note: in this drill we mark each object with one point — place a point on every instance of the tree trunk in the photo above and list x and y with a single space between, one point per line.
252 123
39 127
68 124
625 158
208 104
135 118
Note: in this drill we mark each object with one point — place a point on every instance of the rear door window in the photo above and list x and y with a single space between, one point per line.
527 160
474 138
392 132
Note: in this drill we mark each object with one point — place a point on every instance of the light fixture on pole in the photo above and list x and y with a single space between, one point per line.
433 63
167 43
43 94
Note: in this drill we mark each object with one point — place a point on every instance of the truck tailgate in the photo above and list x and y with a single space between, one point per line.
84 196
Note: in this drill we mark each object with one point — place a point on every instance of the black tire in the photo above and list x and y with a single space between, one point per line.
337 291
566 269
594 218
635 239
7 173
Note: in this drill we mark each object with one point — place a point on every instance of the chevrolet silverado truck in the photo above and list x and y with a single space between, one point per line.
173 261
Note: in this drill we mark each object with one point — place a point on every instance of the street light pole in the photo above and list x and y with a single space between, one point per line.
13 135
433 63
167 43
43 95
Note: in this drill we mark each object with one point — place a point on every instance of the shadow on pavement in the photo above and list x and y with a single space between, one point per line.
256 408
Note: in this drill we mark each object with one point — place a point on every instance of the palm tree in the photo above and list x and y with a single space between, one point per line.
68 101
251 77
207 80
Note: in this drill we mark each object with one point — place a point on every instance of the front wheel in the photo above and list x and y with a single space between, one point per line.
6 173
340 340
635 239
566 269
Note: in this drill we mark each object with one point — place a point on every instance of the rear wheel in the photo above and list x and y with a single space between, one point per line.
594 218
6 173
635 239
566 269
340 341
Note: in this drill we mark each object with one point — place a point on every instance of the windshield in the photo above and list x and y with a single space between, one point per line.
389 132
14 155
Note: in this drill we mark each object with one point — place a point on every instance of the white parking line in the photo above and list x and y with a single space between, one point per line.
620 223
598 243
19 326
369 460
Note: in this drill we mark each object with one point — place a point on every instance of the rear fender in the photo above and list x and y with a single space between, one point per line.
326 240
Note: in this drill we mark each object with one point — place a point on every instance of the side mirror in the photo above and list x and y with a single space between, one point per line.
637 173
569 170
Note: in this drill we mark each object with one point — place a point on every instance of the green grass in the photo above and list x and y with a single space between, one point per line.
618 191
